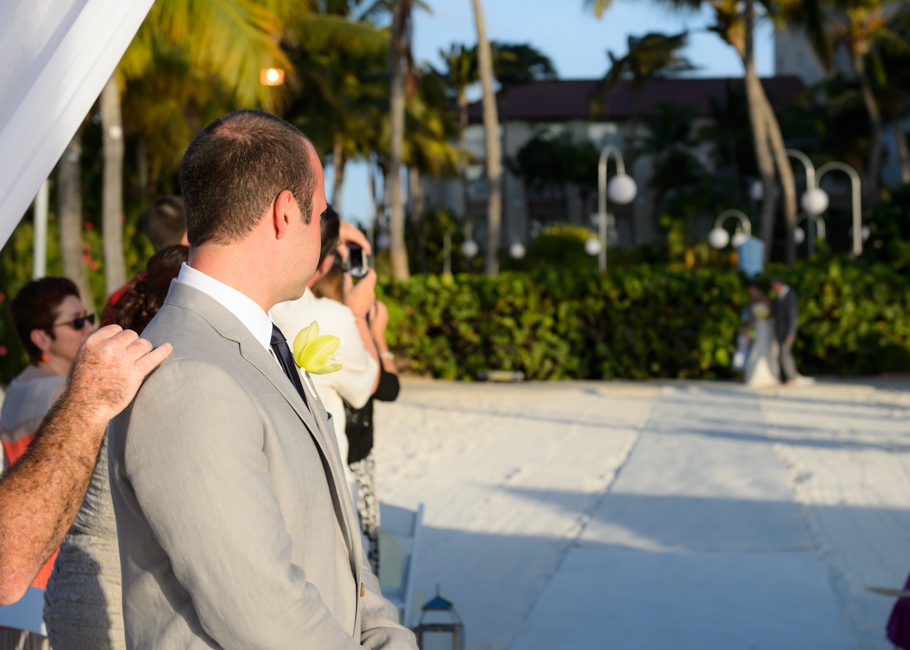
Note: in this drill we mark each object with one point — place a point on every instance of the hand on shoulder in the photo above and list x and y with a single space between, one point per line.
109 369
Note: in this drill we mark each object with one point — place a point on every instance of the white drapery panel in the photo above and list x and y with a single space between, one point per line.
55 57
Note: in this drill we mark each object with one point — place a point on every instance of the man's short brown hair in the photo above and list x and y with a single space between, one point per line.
163 222
235 168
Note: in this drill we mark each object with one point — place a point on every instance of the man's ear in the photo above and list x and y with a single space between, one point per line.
41 339
284 208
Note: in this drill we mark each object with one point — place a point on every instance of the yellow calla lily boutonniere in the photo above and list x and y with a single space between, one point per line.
313 352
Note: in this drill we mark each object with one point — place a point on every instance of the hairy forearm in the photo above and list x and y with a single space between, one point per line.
41 494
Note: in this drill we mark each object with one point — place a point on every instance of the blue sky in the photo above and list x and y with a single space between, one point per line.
575 41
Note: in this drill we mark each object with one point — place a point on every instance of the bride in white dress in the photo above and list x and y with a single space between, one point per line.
760 366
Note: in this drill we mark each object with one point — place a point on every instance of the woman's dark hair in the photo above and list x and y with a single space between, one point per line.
331 285
138 306
330 226
163 221
35 308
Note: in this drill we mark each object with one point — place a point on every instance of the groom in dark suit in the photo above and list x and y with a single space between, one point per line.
786 313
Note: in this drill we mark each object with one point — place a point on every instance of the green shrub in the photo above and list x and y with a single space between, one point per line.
642 322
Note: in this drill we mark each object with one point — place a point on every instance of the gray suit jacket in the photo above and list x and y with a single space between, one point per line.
236 526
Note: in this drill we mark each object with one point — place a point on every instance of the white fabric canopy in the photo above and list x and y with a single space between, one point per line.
55 57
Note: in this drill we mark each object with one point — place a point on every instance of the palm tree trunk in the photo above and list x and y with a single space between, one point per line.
463 145
69 207
491 131
759 135
339 163
870 186
785 171
396 223
902 150
416 189
112 193
142 168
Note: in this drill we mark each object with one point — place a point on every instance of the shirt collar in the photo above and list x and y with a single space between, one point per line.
784 290
243 307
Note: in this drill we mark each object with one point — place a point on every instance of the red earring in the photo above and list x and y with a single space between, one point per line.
45 357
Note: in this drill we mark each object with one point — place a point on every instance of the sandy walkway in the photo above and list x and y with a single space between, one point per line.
691 515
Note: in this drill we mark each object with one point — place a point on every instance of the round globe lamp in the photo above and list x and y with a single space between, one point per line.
592 246
718 238
622 189
517 251
815 201
739 238
470 249
799 235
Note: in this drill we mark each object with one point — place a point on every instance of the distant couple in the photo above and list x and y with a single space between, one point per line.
235 522
772 325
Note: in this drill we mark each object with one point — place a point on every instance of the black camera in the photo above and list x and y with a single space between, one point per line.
357 261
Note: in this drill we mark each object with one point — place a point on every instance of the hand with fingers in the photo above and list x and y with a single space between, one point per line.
379 320
360 297
348 233
110 368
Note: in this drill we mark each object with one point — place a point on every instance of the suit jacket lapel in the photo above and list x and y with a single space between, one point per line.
228 326
345 501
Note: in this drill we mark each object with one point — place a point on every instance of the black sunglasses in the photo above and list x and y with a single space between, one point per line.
77 323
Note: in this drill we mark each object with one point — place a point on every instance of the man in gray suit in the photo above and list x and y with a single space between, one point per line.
236 528
786 314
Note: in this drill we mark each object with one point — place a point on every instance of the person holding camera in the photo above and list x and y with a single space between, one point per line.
358 377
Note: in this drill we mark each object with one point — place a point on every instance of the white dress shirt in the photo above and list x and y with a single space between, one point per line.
243 307
354 382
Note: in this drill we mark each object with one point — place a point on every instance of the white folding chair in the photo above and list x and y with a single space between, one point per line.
399 546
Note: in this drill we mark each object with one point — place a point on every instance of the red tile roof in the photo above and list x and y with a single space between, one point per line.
560 100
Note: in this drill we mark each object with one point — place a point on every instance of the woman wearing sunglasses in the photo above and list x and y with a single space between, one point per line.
51 323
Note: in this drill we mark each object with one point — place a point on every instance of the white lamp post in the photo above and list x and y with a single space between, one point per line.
517 250
592 246
719 237
814 201
470 248
622 190
799 235
856 187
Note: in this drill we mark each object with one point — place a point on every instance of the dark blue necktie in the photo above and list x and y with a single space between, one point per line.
286 360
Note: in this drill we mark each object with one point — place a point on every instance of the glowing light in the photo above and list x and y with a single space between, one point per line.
271 77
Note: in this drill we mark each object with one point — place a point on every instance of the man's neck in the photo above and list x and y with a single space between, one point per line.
233 267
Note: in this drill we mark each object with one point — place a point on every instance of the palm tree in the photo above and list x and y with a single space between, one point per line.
343 90
858 24
491 131
652 56
112 194
401 64
734 23
516 64
427 148
69 208
461 72
893 65
232 40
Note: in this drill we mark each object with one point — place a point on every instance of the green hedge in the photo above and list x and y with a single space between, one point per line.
641 322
